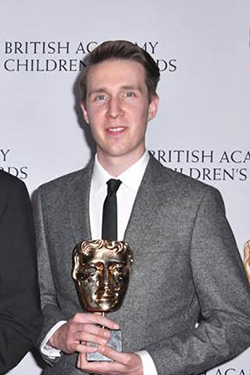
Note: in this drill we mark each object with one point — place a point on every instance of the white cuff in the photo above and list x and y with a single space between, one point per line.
47 349
147 363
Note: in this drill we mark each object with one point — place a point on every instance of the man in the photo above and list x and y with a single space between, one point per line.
187 307
20 315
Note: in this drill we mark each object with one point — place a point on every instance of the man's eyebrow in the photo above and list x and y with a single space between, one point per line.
132 87
97 90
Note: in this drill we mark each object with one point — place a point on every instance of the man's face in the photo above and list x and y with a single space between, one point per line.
117 108
102 279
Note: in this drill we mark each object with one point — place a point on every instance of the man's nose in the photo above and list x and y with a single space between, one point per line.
114 108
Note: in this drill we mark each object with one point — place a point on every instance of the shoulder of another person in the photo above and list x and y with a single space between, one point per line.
13 191
10 183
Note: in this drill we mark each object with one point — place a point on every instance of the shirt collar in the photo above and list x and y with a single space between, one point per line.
130 178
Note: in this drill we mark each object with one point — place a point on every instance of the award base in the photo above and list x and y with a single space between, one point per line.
115 342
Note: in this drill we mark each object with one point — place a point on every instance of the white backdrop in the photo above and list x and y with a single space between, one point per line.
202 129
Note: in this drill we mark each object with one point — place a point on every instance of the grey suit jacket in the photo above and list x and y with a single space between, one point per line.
187 269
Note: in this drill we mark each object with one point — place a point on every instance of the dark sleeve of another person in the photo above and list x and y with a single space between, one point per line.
20 315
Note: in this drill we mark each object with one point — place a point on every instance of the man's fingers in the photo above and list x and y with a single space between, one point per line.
122 363
94 330
82 348
82 327
85 336
81 360
107 351
89 318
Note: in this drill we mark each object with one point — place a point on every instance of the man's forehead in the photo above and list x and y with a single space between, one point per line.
116 61
115 68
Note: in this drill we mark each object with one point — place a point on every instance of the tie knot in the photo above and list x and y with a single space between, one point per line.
113 185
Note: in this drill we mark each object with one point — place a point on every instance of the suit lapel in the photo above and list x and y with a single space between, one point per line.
78 191
146 206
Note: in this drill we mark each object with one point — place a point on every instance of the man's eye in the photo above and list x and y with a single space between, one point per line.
129 94
100 97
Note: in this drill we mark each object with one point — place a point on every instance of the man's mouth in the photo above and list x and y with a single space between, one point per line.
117 129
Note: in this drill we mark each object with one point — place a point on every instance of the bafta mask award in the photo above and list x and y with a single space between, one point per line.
247 259
101 271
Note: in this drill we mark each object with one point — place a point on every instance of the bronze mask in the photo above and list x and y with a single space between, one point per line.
101 272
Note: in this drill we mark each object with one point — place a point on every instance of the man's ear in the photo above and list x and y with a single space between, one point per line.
85 112
153 106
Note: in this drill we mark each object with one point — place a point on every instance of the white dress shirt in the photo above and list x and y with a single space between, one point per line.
126 194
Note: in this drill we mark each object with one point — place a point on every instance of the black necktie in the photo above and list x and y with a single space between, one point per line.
109 217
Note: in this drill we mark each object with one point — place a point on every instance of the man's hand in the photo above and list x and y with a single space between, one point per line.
123 363
82 327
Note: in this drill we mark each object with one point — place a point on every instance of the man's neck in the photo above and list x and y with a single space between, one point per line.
117 165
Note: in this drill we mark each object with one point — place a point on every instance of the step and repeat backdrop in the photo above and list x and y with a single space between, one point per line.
203 125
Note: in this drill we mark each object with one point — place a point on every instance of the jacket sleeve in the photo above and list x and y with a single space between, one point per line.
223 294
52 314
20 315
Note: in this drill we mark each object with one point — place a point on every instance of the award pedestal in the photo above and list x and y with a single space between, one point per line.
115 342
